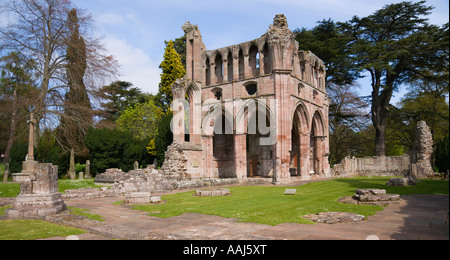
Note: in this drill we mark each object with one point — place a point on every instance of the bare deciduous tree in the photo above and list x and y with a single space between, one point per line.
39 30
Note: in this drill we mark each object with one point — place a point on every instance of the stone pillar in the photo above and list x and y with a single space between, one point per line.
212 69
72 173
247 68
29 164
422 151
209 156
261 63
240 152
135 165
236 64
31 122
225 69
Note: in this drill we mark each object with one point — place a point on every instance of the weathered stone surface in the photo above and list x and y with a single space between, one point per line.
371 197
111 176
335 217
39 194
422 152
370 192
217 139
155 199
290 192
221 192
402 182
372 166
136 198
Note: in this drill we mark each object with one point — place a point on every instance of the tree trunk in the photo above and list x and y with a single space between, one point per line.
12 130
380 104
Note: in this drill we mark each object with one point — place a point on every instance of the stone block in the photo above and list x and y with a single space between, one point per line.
290 192
155 199
136 198
335 217
370 192
221 192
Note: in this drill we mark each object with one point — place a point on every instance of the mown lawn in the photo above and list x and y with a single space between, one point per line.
33 229
269 205
13 189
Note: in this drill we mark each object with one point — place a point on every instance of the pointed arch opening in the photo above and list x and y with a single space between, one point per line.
223 145
297 154
316 149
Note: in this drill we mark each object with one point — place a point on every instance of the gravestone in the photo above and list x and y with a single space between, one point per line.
290 192
135 165
39 194
80 176
71 171
87 174
155 164
212 192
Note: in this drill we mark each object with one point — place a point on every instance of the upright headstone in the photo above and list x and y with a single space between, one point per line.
29 164
422 152
135 165
155 164
72 173
88 170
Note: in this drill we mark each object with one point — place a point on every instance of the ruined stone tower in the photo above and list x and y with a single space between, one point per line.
254 109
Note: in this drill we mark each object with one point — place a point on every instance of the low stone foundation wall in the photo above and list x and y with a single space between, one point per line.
372 166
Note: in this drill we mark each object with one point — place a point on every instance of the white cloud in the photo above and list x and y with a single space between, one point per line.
135 65
110 19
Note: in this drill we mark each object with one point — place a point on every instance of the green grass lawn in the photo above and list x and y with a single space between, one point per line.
268 204
13 189
33 229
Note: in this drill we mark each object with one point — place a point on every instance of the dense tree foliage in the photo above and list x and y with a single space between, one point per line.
172 69
78 115
394 45
141 120
112 148
397 47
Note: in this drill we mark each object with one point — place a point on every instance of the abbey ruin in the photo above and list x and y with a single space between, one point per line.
257 109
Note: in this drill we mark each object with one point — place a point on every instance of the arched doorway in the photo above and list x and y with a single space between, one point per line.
260 151
298 142
223 145
316 145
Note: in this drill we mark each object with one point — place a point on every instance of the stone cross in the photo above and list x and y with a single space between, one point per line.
31 122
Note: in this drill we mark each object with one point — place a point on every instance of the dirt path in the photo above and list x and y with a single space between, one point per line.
417 217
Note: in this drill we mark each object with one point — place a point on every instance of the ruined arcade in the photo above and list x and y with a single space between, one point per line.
254 109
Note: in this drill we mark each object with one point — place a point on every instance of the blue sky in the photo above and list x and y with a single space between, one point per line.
133 31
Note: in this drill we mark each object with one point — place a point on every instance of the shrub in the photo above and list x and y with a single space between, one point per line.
112 148
442 155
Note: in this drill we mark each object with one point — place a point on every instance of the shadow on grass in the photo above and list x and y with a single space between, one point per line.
423 187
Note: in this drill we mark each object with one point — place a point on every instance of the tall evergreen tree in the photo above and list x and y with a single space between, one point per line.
393 45
78 114
172 69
